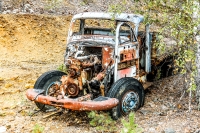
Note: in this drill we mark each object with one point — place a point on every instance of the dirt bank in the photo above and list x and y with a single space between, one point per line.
33 38
30 45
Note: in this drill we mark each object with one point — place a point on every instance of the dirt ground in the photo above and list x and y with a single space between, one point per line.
33 44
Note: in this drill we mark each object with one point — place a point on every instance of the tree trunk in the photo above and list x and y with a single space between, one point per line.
198 52
198 72
0 6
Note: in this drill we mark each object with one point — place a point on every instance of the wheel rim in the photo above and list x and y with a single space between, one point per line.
129 102
50 88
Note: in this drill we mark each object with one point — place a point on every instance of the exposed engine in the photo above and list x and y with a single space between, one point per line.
89 71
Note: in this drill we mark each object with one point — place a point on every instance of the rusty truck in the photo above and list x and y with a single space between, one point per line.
109 63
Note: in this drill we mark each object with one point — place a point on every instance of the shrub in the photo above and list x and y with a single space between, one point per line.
37 129
102 121
62 68
130 126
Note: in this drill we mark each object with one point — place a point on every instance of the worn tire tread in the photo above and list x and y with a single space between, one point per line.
128 81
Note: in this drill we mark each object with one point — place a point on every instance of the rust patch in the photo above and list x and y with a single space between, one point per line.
107 56
123 65
100 76
73 104
126 55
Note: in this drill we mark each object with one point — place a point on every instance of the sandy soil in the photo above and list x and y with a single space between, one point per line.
33 44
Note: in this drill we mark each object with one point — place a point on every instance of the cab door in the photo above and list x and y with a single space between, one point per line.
126 52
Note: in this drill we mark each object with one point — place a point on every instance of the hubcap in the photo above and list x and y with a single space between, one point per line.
129 101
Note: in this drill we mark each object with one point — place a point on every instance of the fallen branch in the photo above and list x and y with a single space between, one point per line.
53 113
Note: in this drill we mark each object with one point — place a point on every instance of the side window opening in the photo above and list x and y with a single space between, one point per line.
126 34
76 27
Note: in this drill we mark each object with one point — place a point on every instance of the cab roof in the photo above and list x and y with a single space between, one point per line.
110 16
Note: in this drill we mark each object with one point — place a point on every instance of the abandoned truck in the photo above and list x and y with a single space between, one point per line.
108 62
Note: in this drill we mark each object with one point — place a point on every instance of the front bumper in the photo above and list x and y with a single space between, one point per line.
100 103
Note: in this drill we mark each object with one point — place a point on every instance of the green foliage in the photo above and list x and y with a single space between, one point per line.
102 122
37 129
158 75
171 19
86 2
53 4
62 68
117 8
130 126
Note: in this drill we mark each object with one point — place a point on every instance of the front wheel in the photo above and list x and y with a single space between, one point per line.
130 94
46 82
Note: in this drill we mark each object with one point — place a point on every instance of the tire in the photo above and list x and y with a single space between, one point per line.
127 90
44 82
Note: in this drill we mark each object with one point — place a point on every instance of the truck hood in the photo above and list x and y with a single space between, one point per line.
94 40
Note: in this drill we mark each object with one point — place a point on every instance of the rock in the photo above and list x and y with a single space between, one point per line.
198 38
27 7
1 79
28 86
8 126
164 113
169 130
152 130
8 85
11 113
144 112
51 11
156 113
151 104
2 129
14 78
187 130
31 10
15 11
163 107
7 12
155 99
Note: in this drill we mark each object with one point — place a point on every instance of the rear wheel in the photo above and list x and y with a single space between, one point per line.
130 94
45 83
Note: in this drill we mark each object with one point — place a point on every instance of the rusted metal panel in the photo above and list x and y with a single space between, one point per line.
128 72
123 65
73 104
107 58
100 76
127 54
